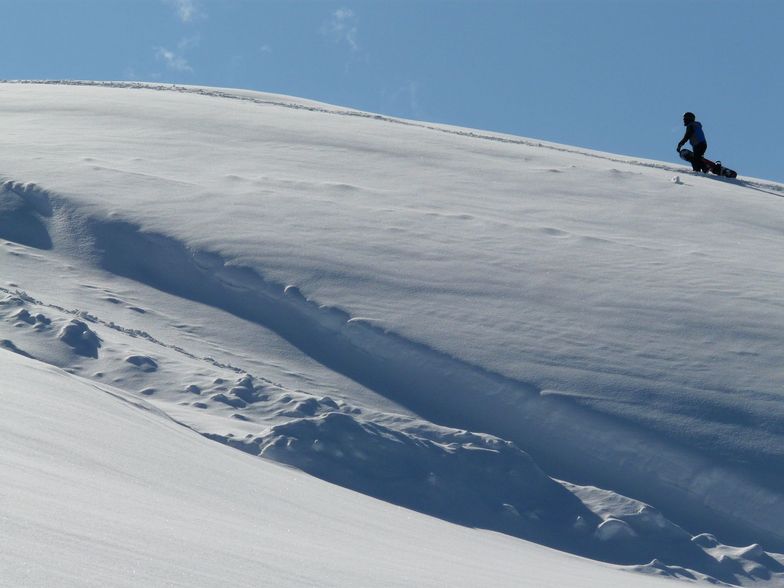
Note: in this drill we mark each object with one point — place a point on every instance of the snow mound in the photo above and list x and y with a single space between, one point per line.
472 479
9 345
144 363
81 338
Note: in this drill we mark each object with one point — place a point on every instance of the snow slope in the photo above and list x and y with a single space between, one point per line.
101 489
437 317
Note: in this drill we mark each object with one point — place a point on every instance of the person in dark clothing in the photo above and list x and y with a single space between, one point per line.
696 136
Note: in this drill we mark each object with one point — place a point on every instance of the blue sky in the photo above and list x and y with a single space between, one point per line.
613 75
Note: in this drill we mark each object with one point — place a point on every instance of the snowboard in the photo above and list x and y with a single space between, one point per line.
715 167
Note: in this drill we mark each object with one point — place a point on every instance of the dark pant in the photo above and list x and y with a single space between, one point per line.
698 163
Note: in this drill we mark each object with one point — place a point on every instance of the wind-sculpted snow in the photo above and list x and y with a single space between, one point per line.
472 479
21 209
375 301
468 478
101 489
81 338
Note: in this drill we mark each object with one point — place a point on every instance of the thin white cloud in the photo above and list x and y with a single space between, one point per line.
342 27
173 61
189 43
176 60
187 10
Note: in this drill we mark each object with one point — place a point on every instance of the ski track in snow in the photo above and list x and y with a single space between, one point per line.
418 463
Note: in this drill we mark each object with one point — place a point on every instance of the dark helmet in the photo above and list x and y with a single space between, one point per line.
688 117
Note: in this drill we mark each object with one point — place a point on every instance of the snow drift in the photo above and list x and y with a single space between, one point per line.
437 317
140 500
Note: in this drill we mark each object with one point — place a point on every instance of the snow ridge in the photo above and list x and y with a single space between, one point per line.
323 440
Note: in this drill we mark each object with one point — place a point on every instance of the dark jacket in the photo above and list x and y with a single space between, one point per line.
694 134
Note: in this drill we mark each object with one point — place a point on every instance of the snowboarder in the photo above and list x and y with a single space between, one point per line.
696 136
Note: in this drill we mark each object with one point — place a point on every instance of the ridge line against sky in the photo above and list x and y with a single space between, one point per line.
601 74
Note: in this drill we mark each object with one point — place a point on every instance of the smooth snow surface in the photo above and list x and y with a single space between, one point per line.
569 347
